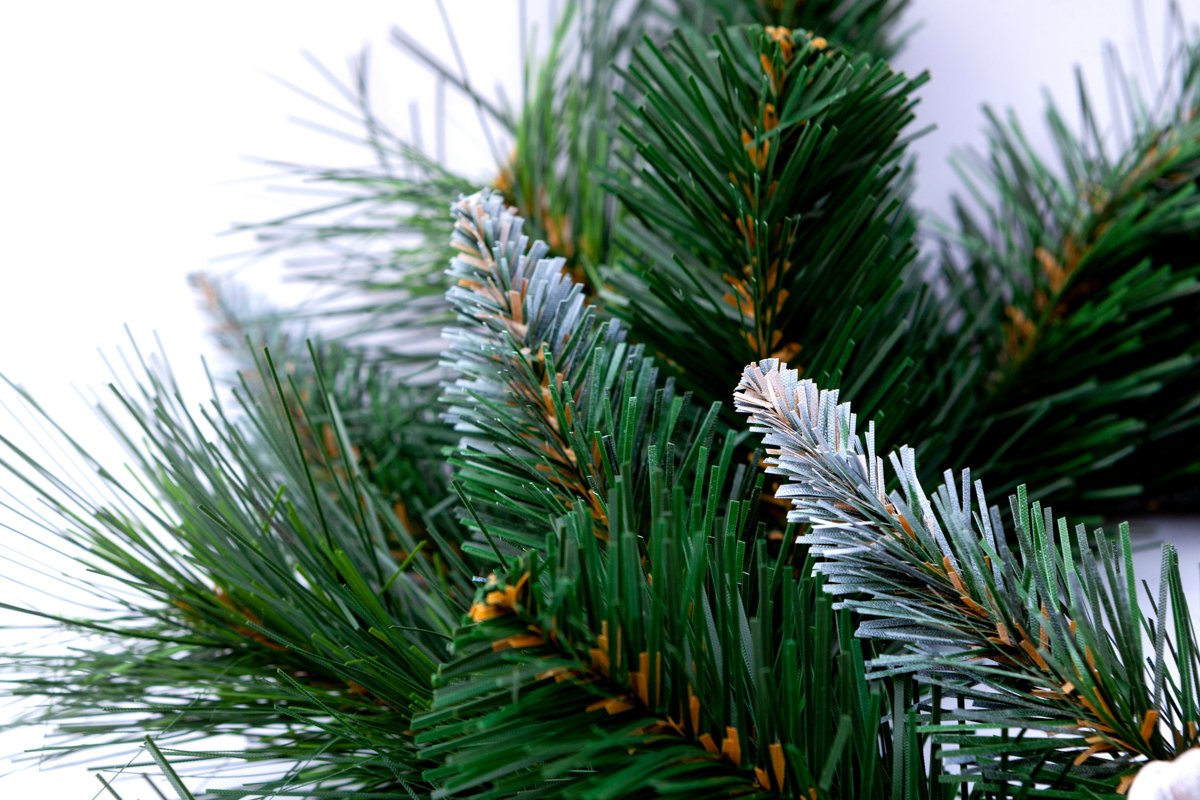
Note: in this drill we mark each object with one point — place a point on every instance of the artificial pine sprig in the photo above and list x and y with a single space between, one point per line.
769 182
396 435
252 570
1030 633
613 671
552 401
635 606
563 142
1079 285
571 589
1057 309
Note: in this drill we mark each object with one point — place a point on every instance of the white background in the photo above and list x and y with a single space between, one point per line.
125 127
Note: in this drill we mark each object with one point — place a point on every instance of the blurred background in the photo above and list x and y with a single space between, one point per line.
129 134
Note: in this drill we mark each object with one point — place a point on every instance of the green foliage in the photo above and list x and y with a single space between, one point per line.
868 26
252 570
562 138
564 142
1044 636
769 183
656 611
396 433
560 394
1079 292
770 179
617 671
379 249
534 557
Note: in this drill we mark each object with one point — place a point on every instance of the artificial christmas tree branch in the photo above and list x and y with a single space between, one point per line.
599 543
1045 635
964 365
538 561
266 602
924 363
395 432
553 402
562 141
768 181
1078 284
